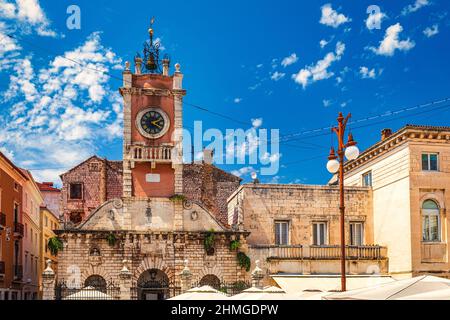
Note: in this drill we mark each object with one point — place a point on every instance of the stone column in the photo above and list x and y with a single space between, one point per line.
257 276
186 278
125 282
126 92
48 282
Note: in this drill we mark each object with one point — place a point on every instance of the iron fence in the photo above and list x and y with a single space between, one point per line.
110 291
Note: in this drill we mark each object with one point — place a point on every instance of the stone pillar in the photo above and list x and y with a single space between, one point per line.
165 64
257 276
48 282
186 277
137 65
125 282
126 92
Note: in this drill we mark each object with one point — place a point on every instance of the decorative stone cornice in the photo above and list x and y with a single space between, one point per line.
152 92
409 133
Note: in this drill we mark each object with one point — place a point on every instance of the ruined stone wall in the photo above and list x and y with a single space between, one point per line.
211 186
101 180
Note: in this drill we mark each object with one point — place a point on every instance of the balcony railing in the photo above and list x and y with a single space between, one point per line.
2 268
2 221
151 154
300 252
18 229
18 272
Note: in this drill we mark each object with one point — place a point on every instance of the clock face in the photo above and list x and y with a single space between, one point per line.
152 123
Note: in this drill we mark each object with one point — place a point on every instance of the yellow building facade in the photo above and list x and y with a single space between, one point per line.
48 222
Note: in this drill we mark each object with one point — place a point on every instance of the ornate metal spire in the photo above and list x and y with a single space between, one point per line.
151 54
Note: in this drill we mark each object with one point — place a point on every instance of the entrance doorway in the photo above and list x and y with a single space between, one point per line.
153 284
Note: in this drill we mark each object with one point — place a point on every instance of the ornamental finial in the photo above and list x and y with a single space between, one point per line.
150 30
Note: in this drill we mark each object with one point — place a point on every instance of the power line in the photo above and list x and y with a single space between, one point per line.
204 109
393 113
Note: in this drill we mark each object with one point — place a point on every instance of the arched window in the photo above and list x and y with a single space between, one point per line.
431 223
97 282
210 280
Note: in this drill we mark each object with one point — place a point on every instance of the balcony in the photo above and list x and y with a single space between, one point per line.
320 259
2 268
159 154
434 252
2 221
18 272
322 252
18 229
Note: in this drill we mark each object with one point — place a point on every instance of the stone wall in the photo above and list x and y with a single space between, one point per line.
101 180
210 186
165 251
260 205
203 183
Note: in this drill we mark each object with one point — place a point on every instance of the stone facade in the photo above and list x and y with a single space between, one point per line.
257 208
164 228
401 185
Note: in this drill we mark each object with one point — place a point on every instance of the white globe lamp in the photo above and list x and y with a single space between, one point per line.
352 152
333 166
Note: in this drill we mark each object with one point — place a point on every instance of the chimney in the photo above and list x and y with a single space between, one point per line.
103 182
208 156
165 64
137 65
385 133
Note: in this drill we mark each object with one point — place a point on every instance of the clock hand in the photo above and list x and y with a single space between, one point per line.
155 123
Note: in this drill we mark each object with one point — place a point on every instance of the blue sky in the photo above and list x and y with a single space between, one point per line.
293 64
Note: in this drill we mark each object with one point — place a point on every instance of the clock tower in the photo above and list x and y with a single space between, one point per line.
152 134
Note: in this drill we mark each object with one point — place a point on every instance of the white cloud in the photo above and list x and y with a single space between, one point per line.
366 73
326 103
61 113
375 19
243 171
391 42
331 17
289 60
8 153
256 123
277 76
323 43
431 31
237 100
29 15
319 70
270 158
415 6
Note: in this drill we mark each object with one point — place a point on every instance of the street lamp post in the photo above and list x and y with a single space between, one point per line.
336 164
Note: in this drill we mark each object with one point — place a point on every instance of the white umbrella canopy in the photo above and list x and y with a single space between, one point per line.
433 295
268 293
88 293
312 295
395 290
248 294
201 293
